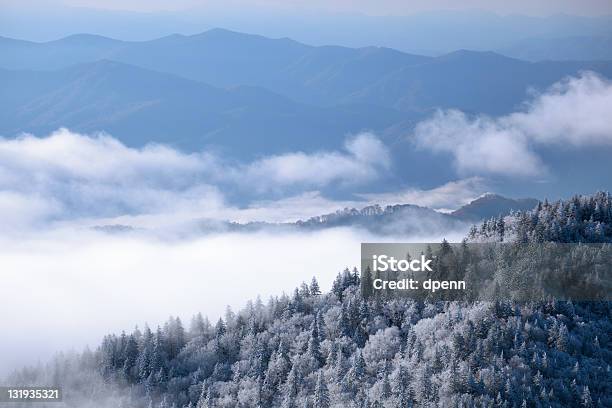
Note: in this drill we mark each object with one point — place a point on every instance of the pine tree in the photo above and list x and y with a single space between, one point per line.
366 283
356 373
180 339
403 387
575 393
198 326
206 398
315 290
220 328
202 398
314 350
210 400
587 402
386 386
321 395
339 369
146 350
157 360
291 386
360 336
332 355
501 228
562 342
130 360
288 402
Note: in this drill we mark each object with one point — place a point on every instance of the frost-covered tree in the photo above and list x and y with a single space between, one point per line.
321 394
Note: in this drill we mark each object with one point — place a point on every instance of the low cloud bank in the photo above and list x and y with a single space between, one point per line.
69 179
68 176
67 284
66 290
575 112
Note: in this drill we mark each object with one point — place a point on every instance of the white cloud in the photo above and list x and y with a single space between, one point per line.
17 209
297 207
365 158
72 288
573 112
74 176
449 196
67 176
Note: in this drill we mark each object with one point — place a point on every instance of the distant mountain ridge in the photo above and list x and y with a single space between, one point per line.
247 97
401 219
139 106
396 219
573 48
482 82
491 205
484 207
388 220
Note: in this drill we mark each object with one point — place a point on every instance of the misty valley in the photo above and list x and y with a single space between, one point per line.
305 205
335 348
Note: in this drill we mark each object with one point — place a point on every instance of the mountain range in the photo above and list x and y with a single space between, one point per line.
251 94
409 218
421 32
324 75
139 106
398 219
247 96
493 205
583 47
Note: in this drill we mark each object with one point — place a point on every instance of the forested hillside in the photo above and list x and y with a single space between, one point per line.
313 349
585 219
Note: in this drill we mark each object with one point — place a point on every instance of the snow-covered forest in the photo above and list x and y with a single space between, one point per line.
320 349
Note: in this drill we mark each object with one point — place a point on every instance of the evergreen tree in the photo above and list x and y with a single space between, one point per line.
130 360
587 402
321 395
314 350
291 386
314 287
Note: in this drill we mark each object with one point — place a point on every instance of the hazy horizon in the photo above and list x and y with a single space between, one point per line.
378 8
430 31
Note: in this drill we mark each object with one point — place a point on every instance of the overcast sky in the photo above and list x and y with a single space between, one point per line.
379 7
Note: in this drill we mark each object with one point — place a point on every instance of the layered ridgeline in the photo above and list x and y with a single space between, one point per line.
472 81
313 349
389 220
396 219
216 87
407 217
